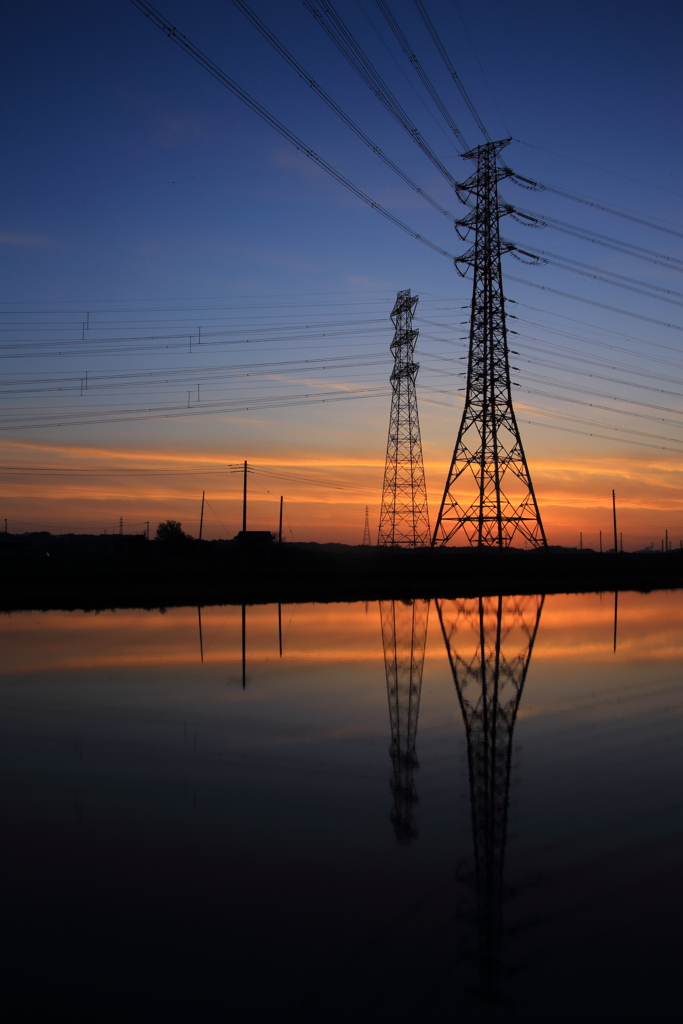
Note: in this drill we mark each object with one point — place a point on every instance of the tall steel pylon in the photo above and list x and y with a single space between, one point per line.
494 503
404 637
404 516
489 643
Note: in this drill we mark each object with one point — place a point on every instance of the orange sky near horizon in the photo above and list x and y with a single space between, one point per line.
99 482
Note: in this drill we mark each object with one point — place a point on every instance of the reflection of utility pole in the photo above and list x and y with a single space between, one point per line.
279 626
404 636
201 642
489 641
244 645
616 612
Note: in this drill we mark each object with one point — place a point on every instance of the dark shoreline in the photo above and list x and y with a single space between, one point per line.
145 575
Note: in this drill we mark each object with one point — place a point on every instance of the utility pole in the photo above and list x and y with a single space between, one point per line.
488 460
614 518
666 545
201 517
120 526
600 541
367 540
242 467
404 515
5 526
580 542
147 530
279 532
244 502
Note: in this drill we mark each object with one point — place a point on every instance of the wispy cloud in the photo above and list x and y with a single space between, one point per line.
37 241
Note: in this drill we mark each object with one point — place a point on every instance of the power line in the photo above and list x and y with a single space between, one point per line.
161 22
421 73
326 98
594 203
620 280
593 302
333 26
595 167
569 430
540 220
604 330
449 65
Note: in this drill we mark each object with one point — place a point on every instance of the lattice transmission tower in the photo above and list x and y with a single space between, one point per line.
489 643
404 516
488 496
367 539
404 638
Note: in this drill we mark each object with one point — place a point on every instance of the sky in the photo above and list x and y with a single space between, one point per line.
144 205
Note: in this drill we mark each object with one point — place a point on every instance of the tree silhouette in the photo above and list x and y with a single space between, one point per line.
171 532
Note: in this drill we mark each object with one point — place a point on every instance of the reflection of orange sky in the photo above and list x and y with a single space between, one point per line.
574 492
575 629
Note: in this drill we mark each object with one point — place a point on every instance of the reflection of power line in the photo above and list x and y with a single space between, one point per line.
489 641
404 636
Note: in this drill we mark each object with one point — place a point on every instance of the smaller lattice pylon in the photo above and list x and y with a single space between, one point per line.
404 515
367 541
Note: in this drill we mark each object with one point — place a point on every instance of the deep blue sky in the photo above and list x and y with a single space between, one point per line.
95 96
131 175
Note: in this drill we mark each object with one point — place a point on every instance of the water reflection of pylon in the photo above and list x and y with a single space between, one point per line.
404 635
489 641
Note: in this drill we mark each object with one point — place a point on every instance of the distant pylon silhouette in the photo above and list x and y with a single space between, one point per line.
404 637
489 643
367 540
488 509
404 516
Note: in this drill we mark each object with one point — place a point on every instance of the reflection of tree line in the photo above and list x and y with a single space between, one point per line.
489 642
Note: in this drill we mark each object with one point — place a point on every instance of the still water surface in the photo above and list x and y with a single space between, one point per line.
465 810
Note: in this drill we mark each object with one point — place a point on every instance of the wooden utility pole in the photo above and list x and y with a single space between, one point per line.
244 502
201 517
614 518
279 533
